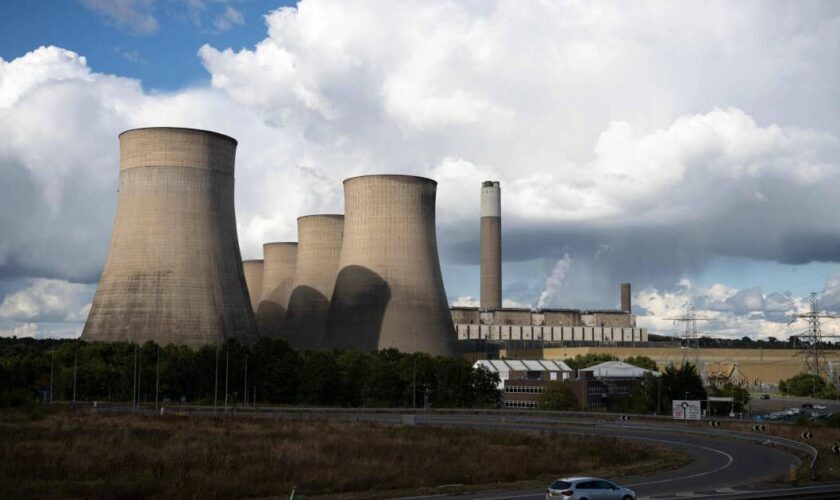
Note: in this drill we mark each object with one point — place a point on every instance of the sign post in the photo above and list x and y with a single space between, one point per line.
686 410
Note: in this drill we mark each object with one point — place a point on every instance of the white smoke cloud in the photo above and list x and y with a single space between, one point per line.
554 283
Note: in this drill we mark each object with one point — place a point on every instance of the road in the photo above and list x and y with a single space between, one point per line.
724 465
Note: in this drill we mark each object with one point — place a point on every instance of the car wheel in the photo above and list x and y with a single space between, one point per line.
627 497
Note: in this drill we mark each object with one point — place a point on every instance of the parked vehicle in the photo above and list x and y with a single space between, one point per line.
807 406
765 396
587 488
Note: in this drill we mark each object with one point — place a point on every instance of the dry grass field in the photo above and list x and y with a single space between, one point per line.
85 455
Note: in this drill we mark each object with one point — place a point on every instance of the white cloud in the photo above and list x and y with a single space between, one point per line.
134 15
20 331
722 311
48 300
228 19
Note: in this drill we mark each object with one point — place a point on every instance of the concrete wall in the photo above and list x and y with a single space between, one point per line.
319 248
253 280
617 319
465 315
562 318
174 271
279 260
389 291
512 317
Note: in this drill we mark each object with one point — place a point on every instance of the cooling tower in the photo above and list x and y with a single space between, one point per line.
491 246
278 272
625 298
319 248
253 280
389 291
174 272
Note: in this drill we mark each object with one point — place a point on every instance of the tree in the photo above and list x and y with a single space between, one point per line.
587 360
558 396
803 384
738 393
642 362
681 382
485 387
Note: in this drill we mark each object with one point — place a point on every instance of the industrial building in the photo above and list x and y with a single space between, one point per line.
524 381
319 248
174 272
279 260
389 290
517 327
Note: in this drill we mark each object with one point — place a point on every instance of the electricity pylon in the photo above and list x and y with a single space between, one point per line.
815 361
690 339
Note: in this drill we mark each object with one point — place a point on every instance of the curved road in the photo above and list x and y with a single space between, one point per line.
717 465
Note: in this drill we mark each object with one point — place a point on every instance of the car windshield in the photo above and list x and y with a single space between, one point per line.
559 485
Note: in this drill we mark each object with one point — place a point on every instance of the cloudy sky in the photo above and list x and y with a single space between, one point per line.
692 149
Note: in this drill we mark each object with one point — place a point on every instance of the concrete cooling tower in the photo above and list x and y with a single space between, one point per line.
253 280
174 272
389 291
491 246
278 272
319 248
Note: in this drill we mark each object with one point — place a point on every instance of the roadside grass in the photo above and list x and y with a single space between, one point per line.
65 454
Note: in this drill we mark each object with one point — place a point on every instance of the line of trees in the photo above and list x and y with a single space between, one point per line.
808 385
269 371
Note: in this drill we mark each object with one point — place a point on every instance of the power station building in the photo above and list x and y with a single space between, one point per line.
389 289
174 272
516 326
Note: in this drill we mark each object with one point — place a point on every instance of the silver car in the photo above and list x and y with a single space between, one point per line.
587 488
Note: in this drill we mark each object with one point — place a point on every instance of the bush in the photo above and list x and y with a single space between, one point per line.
558 396
642 362
803 384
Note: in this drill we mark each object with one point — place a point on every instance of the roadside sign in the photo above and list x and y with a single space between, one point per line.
686 410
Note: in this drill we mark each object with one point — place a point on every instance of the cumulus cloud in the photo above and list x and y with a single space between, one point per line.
641 140
47 300
722 311
20 331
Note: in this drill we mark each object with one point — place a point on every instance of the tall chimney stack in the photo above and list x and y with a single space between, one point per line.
625 298
491 245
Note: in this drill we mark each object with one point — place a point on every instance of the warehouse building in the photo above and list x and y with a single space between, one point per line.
523 382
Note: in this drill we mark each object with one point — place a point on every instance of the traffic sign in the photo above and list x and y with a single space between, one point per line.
758 427
806 435
714 423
